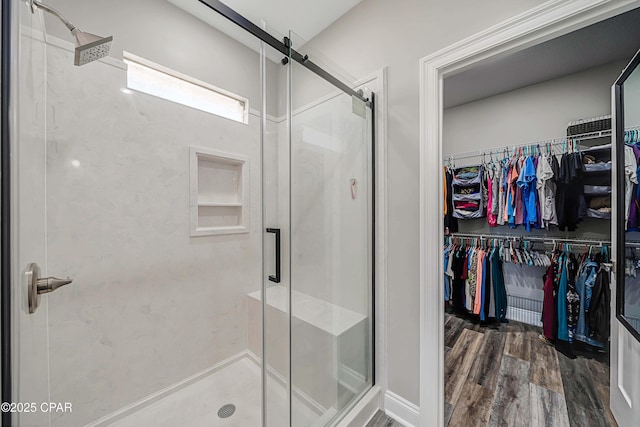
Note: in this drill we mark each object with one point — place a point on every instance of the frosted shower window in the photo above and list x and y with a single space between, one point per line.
153 79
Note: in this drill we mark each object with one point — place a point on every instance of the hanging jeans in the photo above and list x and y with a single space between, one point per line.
584 287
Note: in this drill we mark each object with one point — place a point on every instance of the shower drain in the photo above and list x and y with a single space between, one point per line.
226 410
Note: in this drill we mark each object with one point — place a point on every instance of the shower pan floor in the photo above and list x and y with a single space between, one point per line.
198 404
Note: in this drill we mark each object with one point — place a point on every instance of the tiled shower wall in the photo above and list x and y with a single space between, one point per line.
149 305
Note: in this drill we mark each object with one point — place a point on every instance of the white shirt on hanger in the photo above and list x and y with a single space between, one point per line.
546 191
630 178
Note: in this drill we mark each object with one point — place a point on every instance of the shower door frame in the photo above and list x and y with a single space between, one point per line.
5 210
7 63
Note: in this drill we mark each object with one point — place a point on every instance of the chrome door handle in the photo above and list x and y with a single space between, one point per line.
38 285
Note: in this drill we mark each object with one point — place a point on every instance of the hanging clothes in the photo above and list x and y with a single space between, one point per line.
519 207
447 278
538 223
450 222
458 264
570 188
474 281
630 180
584 286
495 191
499 288
548 307
502 193
634 205
514 203
599 307
561 300
477 303
573 300
527 184
486 288
546 185
492 205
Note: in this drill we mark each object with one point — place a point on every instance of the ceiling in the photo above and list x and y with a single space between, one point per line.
611 40
306 18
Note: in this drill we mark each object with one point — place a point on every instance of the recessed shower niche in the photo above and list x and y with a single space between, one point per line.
219 192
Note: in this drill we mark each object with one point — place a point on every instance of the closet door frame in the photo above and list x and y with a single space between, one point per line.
550 20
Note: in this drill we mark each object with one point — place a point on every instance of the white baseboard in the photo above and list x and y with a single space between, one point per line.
401 410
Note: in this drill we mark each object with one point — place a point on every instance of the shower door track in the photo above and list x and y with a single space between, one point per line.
283 47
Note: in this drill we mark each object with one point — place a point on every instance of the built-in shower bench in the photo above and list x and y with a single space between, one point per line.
324 315
329 344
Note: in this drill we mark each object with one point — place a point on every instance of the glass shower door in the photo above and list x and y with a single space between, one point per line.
275 322
141 201
331 247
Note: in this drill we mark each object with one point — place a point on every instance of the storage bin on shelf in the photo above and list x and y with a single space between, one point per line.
467 193
596 167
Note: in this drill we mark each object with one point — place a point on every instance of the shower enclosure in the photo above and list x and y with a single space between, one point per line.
208 191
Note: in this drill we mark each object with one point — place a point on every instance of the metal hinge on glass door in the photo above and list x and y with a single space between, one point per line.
38 285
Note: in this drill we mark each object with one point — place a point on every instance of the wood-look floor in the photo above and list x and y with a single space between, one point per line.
504 375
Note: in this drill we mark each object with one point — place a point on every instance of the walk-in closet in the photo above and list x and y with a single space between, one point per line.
528 196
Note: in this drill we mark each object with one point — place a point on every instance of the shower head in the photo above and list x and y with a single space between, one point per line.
89 47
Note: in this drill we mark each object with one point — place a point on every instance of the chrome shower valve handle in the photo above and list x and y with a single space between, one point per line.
40 285
50 284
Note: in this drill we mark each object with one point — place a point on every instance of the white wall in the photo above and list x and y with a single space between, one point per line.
149 305
377 34
532 113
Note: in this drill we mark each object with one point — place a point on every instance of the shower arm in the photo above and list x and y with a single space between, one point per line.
54 12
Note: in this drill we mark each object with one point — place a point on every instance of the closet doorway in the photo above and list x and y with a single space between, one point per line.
508 260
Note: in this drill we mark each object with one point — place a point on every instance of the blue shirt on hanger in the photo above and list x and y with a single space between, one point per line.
527 182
